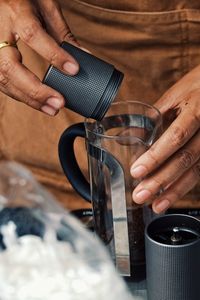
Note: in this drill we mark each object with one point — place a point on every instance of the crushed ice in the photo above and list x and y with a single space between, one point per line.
48 269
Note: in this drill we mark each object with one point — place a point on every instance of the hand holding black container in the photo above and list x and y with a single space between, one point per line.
92 90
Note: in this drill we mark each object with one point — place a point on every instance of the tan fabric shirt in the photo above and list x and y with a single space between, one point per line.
153 42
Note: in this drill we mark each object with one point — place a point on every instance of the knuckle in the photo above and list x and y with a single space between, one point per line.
152 155
3 80
29 31
5 66
179 136
33 93
53 58
186 159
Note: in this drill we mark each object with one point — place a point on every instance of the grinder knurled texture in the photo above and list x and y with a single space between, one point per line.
173 270
92 90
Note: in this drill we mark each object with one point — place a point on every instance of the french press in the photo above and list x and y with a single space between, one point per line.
127 130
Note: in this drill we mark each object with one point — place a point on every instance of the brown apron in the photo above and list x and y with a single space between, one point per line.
153 42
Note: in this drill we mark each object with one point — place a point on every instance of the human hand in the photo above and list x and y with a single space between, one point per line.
40 25
172 165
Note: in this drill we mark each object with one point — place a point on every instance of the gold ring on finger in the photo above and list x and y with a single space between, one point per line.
7 44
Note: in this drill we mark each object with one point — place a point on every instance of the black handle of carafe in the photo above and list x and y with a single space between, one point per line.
68 160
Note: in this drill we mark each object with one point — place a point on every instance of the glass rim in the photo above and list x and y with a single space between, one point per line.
117 103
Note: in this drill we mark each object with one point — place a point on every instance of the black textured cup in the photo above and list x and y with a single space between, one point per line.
92 90
173 258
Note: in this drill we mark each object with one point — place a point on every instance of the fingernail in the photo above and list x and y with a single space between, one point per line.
70 68
138 171
141 196
56 103
48 110
162 206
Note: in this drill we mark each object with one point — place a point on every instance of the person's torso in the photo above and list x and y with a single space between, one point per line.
153 42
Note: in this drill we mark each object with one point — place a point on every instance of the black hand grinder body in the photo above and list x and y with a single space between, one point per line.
90 92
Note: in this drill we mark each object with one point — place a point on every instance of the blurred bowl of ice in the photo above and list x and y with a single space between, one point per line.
45 253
